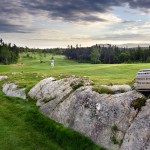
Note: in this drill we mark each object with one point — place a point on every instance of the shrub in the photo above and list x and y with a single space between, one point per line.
138 103
114 128
76 85
113 138
148 60
102 89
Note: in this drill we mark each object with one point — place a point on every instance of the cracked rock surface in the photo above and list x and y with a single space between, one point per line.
138 135
53 92
109 120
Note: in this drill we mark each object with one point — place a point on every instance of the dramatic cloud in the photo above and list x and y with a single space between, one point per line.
13 18
68 10
71 10
97 17
139 4
6 27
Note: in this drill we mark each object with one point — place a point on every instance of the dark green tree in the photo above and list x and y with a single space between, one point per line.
95 55
5 54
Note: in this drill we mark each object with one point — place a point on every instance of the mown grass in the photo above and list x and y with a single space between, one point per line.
99 73
23 127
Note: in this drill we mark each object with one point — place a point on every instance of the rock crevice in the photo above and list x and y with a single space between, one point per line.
106 119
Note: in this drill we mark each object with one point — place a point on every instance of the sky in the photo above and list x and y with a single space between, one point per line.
59 23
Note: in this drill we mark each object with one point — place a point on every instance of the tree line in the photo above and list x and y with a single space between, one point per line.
8 53
108 54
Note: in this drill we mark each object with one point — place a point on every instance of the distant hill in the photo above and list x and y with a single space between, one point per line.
131 45
127 45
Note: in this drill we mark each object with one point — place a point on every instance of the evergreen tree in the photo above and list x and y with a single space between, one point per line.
5 54
95 55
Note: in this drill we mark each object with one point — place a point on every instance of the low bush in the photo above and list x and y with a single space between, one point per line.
138 103
75 85
114 128
102 90
113 137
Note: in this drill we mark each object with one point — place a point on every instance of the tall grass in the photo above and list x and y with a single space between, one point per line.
23 127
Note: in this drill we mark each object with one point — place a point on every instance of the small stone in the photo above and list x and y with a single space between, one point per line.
3 77
10 89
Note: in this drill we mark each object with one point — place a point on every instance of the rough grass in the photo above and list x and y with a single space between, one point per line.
138 103
24 128
75 85
102 90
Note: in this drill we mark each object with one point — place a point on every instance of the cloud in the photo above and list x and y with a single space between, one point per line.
6 27
70 10
14 18
142 4
21 13
117 37
128 22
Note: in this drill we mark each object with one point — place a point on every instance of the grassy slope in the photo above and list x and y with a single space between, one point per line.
15 132
22 127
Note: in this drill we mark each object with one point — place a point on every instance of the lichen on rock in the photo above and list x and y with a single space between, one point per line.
108 119
137 136
11 89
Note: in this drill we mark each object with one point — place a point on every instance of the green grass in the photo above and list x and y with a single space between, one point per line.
99 73
75 85
22 127
102 90
138 103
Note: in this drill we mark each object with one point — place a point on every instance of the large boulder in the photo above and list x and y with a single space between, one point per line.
54 91
138 135
11 89
104 118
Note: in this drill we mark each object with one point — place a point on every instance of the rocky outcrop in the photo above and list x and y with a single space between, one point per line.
54 91
10 89
105 118
3 77
111 120
95 114
137 136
